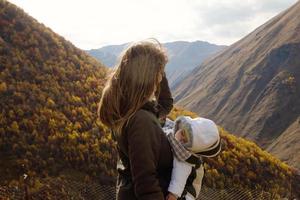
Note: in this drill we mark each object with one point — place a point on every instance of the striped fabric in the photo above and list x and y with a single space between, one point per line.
178 149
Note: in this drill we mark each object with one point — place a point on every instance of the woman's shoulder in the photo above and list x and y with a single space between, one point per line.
144 116
143 129
142 112
143 121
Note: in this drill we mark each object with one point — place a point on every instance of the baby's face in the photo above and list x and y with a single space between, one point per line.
181 136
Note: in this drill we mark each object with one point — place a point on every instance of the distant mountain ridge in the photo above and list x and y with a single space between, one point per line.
183 56
107 54
253 87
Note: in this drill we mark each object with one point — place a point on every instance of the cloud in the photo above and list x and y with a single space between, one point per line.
93 23
226 21
229 11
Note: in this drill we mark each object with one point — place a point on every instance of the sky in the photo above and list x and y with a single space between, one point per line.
91 24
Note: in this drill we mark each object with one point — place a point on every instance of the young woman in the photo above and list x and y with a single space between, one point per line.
136 95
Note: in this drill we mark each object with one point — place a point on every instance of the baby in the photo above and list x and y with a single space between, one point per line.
190 140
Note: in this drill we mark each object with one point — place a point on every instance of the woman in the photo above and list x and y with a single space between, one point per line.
136 95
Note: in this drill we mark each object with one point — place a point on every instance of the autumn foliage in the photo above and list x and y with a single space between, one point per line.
243 164
49 91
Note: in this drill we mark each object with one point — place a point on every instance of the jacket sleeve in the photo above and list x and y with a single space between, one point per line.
143 152
165 100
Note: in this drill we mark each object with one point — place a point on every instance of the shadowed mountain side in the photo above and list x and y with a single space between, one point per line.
252 88
287 142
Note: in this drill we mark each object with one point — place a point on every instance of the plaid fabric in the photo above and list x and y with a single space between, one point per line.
178 149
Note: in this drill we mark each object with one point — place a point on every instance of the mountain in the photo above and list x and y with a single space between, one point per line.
252 88
107 54
183 56
49 91
287 144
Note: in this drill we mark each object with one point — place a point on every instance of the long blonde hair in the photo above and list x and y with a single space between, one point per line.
132 83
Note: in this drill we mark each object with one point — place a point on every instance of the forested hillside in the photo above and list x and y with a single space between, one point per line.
49 91
243 164
49 128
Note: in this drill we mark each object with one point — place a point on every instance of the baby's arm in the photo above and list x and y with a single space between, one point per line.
180 174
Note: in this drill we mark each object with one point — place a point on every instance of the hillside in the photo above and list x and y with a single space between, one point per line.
252 88
183 56
241 171
49 129
49 91
242 164
286 143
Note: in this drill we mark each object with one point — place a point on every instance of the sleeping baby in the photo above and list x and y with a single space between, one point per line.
190 139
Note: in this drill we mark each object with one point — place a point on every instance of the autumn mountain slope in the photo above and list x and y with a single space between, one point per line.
242 164
49 91
48 125
252 88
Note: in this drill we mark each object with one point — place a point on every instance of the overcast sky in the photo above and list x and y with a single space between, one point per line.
95 23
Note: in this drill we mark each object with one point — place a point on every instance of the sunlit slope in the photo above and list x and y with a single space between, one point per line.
49 91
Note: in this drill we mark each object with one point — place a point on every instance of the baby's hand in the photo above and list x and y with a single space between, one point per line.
171 197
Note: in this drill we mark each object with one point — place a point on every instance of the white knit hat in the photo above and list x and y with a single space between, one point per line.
202 135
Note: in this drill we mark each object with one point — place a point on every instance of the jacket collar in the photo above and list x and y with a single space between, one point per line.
151 106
